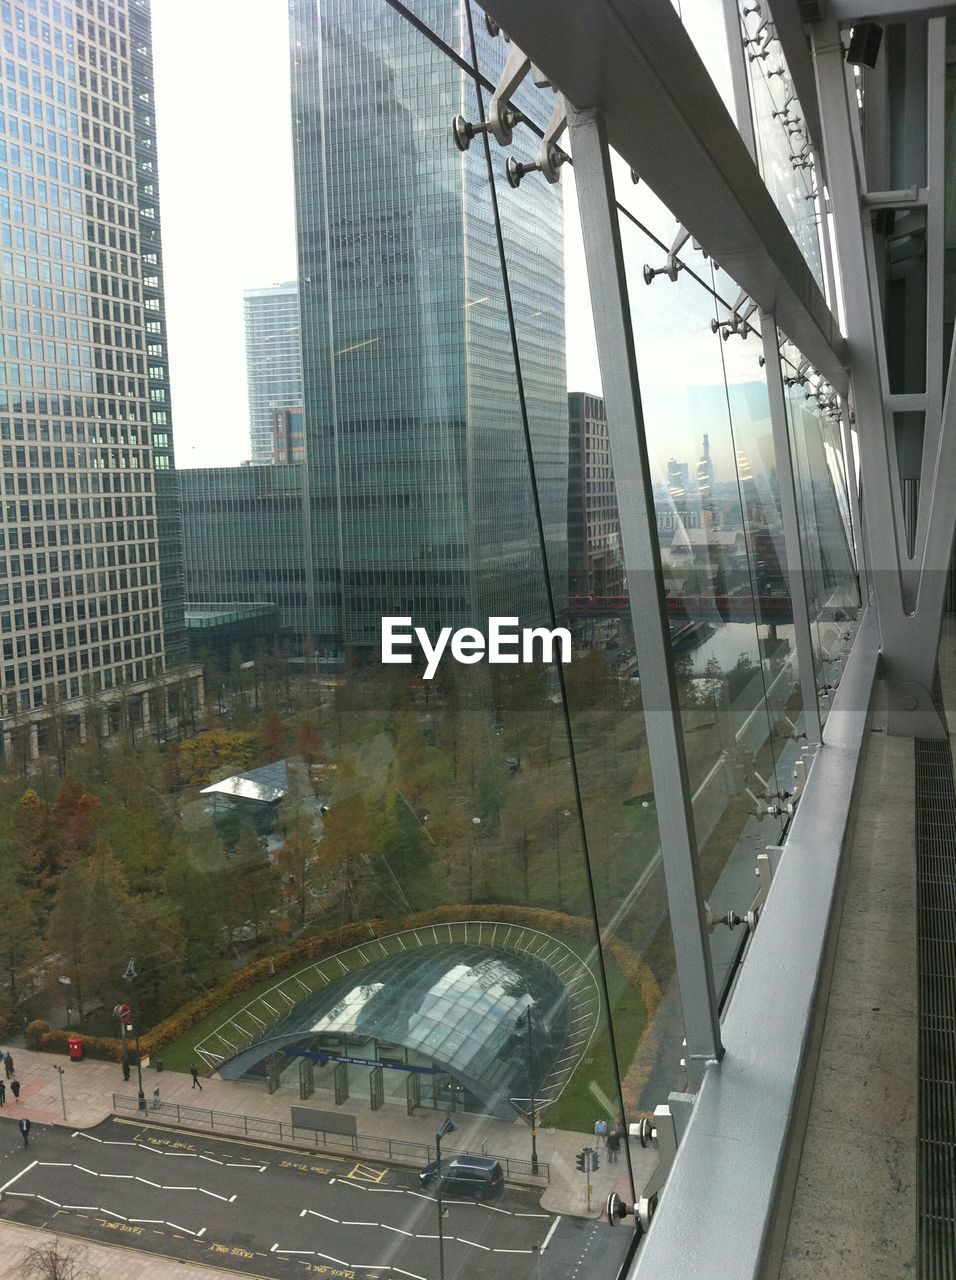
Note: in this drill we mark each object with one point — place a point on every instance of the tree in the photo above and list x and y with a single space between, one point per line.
33 824
19 945
273 737
74 816
354 831
297 861
252 885
54 1260
310 744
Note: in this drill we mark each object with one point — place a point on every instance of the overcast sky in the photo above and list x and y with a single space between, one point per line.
225 159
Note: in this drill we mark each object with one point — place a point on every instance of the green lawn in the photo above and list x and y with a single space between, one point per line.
179 1055
578 1107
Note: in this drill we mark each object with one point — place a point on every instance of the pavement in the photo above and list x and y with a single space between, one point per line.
87 1095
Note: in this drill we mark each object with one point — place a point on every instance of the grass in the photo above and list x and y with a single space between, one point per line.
179 1055
579 1107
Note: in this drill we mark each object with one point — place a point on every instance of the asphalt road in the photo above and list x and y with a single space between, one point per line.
269 1212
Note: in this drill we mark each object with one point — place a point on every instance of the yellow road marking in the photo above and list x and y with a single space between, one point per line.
365 1173
236 1142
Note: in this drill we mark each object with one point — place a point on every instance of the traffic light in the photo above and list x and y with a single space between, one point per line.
581 1161
595 1161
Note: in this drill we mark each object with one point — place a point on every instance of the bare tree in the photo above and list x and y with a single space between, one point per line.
56 1260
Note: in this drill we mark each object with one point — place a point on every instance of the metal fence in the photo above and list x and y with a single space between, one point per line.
392 1149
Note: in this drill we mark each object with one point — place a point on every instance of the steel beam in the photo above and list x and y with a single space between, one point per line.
910 636
633 60
849 13
783 461
642 562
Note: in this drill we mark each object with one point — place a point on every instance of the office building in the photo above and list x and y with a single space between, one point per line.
595 565
92 572
245 562
416 457
273 361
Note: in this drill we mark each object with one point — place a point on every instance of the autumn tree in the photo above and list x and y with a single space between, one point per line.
273 737
20 946
252 885
309 743
354 831
74 818
297 862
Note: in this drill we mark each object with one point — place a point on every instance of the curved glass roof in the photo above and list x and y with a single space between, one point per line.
462 1007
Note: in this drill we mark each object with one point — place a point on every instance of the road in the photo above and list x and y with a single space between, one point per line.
265 1211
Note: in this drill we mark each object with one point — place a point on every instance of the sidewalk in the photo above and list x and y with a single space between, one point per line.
88 1089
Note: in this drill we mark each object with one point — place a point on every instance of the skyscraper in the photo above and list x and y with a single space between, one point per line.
415 466
273 361
90 554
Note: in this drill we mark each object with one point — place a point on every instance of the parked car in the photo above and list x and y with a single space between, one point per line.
478 1176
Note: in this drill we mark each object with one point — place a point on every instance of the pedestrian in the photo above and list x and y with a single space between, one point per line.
600 1130
8 1063
194 1072
25 1130
3 1094
15 1089
613 1146
157 1103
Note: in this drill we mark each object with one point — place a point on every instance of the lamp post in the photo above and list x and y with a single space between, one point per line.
525 1021
130 976
558 815
446 1127
62 1092
66 983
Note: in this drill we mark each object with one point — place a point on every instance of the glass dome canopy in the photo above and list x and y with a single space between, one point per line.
462 1008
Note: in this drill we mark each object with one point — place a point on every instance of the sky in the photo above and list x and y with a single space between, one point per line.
225 170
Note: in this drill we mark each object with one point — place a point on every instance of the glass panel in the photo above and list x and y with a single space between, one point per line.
724 655
829 570
781 139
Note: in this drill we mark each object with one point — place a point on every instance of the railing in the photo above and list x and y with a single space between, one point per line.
397 1150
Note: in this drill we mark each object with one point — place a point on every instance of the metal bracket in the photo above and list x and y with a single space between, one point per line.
661 1133
740 314
671 263
550 156
502 118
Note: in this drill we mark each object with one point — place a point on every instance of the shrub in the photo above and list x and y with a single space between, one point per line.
34 1032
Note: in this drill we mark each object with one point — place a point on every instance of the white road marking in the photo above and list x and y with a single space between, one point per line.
474 1244
17 1176
551 1231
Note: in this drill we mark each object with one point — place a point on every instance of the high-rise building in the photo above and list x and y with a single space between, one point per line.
91 572
595 565
415 455
678 477
705 469
273 361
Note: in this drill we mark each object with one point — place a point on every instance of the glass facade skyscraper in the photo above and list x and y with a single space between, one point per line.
416 459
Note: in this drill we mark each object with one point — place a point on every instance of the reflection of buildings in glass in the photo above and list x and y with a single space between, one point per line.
705 471
595 564
417 483
288 433
678 477
273 361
